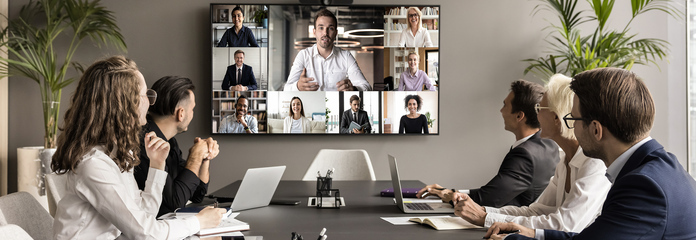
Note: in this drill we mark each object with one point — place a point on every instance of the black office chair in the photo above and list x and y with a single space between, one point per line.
389 83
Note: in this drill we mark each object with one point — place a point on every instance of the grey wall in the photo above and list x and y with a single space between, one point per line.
482 41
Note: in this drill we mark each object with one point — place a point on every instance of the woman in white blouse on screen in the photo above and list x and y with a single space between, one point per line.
296 122
575 193
415 35
97 150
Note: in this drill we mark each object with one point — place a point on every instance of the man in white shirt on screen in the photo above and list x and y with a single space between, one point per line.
323 66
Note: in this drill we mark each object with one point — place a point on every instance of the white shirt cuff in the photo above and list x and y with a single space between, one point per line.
157 176
492 218
539 234
464 191
192 224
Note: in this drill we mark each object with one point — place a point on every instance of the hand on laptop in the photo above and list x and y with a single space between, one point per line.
468 209
434 190
210 217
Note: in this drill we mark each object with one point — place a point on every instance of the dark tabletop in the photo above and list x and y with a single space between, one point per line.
359 219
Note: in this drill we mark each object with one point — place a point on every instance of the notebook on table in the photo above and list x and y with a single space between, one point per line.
413 207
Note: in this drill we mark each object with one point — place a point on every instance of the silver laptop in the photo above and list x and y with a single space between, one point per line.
257 188
414 207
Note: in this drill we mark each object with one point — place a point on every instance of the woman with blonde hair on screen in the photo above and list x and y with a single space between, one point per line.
414 79
97 150
415 35
296 122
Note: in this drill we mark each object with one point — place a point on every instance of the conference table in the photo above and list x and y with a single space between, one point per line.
359 219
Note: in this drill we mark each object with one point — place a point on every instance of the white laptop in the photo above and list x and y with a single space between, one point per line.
414 207
257 188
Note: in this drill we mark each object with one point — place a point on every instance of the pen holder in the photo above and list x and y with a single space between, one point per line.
336 198
324 186
324 190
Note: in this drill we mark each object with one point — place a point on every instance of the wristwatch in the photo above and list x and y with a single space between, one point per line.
246 128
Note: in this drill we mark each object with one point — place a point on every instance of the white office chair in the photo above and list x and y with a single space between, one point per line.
15 232
55 190
23 210
350 164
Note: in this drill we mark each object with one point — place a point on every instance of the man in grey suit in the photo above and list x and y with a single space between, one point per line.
527 167
357 115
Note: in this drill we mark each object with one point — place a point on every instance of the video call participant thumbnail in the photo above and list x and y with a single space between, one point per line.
187 179
413 122
526 169
323 66
239 77
239 122
357 115
296 122
414 79
239 35
415 35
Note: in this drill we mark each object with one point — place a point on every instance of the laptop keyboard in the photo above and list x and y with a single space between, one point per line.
418 206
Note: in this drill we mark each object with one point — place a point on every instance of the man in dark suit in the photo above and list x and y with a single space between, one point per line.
239 77
527 167
171 114
355 114
652 196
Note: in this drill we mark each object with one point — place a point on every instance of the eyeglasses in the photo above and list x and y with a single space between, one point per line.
413 15
570 120
151 96
538 108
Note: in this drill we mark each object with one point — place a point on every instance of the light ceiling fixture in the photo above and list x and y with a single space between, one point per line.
302 43
364 30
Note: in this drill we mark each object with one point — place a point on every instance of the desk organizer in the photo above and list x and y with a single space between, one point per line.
324 190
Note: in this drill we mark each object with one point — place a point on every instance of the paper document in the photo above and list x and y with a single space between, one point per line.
405 220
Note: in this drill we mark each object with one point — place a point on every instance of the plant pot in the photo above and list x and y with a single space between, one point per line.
30 173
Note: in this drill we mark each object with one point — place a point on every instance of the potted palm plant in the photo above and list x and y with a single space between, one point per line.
573 52
31 41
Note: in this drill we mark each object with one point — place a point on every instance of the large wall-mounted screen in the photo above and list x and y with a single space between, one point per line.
305 69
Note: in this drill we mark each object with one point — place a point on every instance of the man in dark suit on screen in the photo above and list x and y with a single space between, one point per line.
239 77
527 167
355 114
652 196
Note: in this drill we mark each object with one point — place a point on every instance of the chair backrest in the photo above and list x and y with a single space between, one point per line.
23 210
350 164
55 190
12 231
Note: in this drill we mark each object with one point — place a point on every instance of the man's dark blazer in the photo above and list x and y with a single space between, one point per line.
248 78
363 120
653 197
522 176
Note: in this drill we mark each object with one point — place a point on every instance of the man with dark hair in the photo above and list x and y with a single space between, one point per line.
239 35
168 116
652 196
239 77
357 115
323 66
527 167
240 121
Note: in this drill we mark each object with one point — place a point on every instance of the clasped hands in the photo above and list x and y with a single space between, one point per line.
308 84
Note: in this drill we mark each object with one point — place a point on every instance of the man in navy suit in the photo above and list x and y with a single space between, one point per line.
239 77
652 196
357 115
527 167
